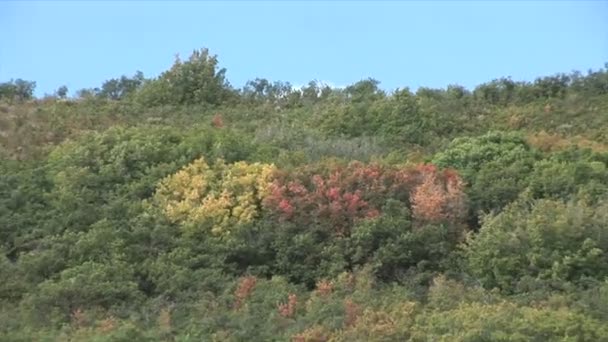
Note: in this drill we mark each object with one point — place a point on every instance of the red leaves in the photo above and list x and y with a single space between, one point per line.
326 199
333 194
286 207
340 195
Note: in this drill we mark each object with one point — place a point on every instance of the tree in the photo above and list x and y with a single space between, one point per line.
545 242
338 197
195 81
495 166
62 92
20 90
218 196
279 94
571 173
506 321
120 88
365 90
393 246
439 197
87 93
358 111
111 171
314 92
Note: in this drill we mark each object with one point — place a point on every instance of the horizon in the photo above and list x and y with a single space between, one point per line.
400 44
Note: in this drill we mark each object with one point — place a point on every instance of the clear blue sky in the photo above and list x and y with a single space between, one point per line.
400 43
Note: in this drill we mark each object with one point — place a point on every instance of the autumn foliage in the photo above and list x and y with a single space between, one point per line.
324 287
217 121
288 309
180 208
439 195
244 289
220 195
329 198
338 196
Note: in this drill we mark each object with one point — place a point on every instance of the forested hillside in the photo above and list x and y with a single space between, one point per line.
179 208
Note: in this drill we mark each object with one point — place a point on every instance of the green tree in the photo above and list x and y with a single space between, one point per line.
120 88
62 92
20 90
572 173
496 166
546 242
506 322
197 80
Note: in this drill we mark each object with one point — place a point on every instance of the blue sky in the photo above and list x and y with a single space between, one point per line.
400 43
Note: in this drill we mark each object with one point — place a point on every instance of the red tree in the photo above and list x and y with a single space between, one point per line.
337 196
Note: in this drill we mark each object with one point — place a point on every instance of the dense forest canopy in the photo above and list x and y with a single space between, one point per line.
179 208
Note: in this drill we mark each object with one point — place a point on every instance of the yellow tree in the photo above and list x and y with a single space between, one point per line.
219 196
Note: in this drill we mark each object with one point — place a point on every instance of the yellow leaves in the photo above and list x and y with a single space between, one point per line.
220 196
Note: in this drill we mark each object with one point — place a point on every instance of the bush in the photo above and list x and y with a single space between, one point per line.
548 241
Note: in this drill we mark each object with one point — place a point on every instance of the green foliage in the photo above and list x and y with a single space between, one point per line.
265 93
470 155
14 285
569 173
195 81
548 242
89 285
151 210
62 92
19 90
106 174
506 322
121 88
496 167
23 206
394 248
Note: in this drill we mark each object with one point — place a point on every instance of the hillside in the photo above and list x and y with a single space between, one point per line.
179 208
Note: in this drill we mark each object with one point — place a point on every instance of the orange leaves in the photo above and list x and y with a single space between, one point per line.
339 196
288 309
428 200
352 311
224 196
336 197
324 287
244 290
439 195
217 121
